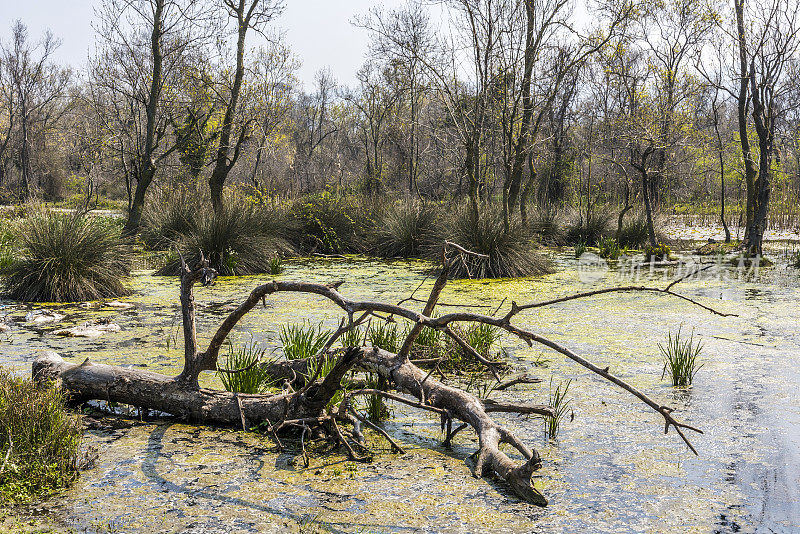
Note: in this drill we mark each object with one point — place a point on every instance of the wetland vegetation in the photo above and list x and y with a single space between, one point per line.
452 294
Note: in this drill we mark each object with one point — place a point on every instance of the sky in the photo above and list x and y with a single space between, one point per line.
318 31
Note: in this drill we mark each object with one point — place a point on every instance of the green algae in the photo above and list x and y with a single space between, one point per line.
611 469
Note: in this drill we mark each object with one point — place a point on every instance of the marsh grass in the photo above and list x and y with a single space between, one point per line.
352 338
481 337
580 248
385 336
169 216
376 407
428 344
591 229
794 259
252 377
276 265
303 340
406 230
66 258
633 233
510 253
243 238
559 403
680 358
40 441
547 226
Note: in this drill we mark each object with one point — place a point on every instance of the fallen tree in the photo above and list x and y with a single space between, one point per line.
307 401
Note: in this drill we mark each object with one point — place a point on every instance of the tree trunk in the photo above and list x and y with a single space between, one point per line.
750 171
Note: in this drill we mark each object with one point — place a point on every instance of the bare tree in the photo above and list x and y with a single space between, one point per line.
246 15
135 80
33 90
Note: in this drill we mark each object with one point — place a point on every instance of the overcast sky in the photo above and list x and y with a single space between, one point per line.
318 31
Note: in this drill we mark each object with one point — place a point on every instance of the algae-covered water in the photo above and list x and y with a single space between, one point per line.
611 469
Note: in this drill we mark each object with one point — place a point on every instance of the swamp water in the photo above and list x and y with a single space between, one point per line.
611 469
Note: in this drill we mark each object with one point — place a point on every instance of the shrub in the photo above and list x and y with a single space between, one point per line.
609 249
303 340
250 376
510 254
243 238
680 358
329 224
657 253
406 229
67 258
39 440
589 230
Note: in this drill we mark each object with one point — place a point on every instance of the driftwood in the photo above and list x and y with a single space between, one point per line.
306 401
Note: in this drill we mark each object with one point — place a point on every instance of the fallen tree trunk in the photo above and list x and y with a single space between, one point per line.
153 391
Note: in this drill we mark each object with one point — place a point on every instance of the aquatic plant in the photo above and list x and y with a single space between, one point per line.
428 344
66 258
510 253
352 338
559 404
385 336
276 265
680 358
248 375
39 439
580 248
376 407
609 249
406 229
303 340
481 337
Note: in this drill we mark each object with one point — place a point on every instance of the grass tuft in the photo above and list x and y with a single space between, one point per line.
510 254
303 340
609 248
67 258
244 238
590 230
385 336
406 229
560 405
633 233
251 376
680 358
